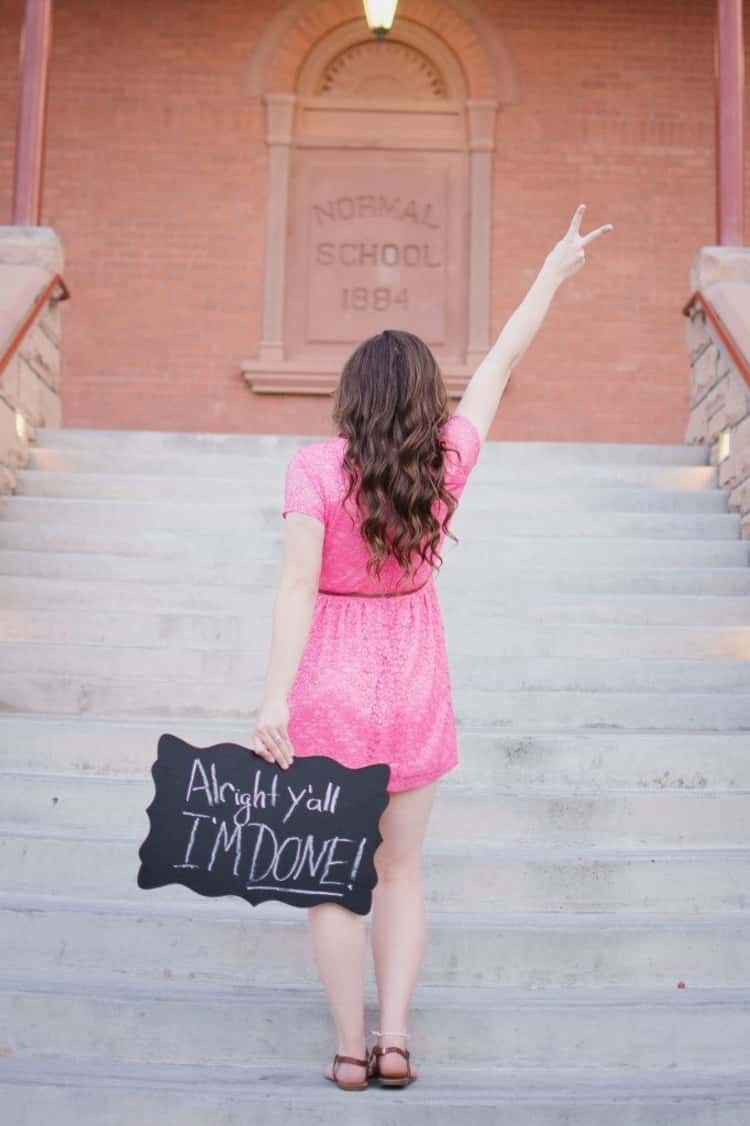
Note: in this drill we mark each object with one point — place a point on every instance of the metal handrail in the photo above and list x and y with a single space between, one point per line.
700 300
31 316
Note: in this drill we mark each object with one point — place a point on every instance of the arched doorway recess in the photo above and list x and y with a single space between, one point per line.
379 199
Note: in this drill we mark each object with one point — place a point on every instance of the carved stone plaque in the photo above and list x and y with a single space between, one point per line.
375 242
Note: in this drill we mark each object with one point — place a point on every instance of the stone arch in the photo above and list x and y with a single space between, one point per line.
440 70
356 72
288 38
411 83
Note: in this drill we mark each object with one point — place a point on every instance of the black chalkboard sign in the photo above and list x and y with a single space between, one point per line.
223 821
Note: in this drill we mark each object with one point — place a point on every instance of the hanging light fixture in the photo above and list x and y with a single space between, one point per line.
379 15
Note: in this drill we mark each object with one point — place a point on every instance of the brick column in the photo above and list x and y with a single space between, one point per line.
729 98
32 106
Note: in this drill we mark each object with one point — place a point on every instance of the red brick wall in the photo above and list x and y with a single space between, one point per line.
155 181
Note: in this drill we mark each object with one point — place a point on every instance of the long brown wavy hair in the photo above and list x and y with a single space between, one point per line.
390 403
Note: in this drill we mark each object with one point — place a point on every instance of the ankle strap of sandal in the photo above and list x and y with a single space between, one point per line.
337 1059
374 1032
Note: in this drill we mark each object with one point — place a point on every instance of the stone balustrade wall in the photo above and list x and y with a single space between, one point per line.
720 394
30 384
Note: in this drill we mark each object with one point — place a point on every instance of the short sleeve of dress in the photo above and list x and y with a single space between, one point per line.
462 436
302 491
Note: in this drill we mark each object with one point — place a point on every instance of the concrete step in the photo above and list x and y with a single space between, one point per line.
169 482
227 570
159 556
40 1088
511 878
170 442
607 759
219 514
509 557
499 637
648 597
236 669
270 944
234 569
153 542
651 1030
521 814
551 607
95 440
103 693
488 475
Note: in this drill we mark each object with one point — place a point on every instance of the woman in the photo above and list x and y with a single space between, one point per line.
358 668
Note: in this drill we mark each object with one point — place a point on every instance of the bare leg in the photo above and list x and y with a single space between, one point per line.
399 920
339 942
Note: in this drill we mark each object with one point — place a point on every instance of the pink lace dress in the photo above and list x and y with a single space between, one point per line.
373 683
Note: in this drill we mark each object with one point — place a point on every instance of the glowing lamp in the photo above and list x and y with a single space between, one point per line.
379 15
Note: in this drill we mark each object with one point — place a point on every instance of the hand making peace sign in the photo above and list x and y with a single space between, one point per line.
567 256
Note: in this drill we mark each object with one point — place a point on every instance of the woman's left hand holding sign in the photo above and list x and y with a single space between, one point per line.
270 739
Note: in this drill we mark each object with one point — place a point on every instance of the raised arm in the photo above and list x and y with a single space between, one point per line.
484 391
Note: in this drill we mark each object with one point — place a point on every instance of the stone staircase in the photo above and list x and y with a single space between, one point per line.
588 863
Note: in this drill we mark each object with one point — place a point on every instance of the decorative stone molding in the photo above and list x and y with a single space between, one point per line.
297 26
413 65
30 258
412 115
358 72
720 393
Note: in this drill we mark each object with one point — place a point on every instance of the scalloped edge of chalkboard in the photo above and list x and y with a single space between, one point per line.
290 898
146 839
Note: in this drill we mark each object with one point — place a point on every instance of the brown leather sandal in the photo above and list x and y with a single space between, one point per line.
337 1059
391 1080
